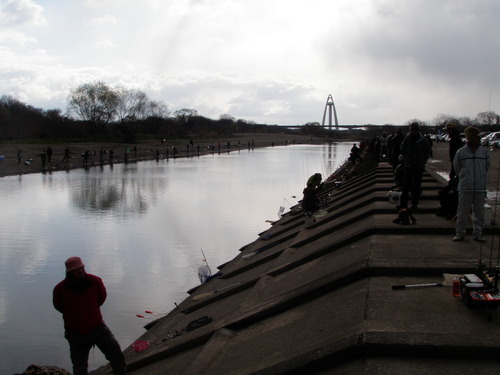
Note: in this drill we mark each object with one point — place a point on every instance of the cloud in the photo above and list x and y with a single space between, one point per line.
15 13
10 36
273 61
106 44
106 20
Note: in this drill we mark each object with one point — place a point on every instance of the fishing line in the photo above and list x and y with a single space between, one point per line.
155 313
305 169
143 317
323 161
494 213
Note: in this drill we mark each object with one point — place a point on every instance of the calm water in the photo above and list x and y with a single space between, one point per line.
138 226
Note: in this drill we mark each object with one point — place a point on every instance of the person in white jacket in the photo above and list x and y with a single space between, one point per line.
471 164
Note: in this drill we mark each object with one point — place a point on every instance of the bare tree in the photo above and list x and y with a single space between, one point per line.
441 119
183 115
420 122
466 121
227 117
94 102
156 109
487 118
131 106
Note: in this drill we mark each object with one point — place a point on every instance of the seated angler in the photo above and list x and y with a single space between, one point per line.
315 180
310 202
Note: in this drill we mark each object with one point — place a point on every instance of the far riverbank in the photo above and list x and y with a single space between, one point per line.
31 161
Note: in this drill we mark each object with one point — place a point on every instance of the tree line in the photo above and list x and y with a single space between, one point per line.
97 110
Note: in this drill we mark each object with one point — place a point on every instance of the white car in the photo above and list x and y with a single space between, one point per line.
485 139
494 140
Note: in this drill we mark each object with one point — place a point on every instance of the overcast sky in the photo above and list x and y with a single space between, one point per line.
268 61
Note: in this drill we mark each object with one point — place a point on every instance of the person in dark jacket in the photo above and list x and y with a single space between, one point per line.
414 155
395 147
315 180
79 297
310 202
455 144
355 153
448 198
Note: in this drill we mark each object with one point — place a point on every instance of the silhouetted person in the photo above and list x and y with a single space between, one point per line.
49 154
414 155
310 202
448 199
384 145
395 148
455 144
355 153
43 157
315 180
85 157
66 154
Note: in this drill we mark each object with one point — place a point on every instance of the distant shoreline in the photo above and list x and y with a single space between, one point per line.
31 161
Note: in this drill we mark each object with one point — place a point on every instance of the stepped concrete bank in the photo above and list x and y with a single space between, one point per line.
315 296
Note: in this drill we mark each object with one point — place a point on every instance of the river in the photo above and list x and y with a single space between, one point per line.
141 227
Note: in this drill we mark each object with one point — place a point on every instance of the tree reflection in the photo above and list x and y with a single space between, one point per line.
119 197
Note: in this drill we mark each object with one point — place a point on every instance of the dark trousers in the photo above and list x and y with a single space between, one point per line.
103 338
412 183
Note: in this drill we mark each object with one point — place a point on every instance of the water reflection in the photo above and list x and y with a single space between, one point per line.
138 226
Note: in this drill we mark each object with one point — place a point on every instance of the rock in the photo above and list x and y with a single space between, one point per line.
44 370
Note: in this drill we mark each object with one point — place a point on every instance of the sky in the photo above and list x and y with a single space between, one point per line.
267 61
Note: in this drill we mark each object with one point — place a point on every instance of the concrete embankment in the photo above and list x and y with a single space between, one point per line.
315 296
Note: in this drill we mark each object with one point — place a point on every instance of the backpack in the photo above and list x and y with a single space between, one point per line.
405 217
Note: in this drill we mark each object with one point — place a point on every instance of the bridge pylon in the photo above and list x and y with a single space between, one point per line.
330 107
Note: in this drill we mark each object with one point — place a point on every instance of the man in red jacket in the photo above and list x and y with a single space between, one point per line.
79 297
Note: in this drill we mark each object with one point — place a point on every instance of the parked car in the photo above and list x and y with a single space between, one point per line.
445 138
485 139
494 141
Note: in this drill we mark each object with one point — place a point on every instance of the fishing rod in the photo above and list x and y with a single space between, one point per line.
215 291
493 234
397 287
151 315
156 314
494 222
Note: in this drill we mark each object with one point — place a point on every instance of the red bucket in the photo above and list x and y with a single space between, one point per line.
140 345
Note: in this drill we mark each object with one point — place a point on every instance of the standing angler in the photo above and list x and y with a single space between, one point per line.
414 154
471 164
79 298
